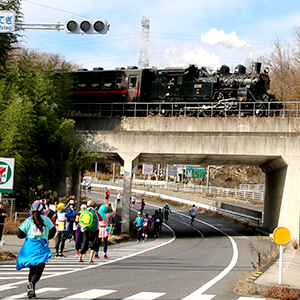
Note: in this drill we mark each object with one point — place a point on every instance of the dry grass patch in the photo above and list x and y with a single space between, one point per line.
11 227
281 292
294 243
116 239
6 255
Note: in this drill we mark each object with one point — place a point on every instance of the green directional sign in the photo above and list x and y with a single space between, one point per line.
192 171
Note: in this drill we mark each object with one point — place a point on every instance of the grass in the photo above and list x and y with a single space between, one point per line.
6 255
11 227
281 292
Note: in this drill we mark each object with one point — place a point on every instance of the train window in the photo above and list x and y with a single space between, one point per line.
95 85
107 83
133 82
179 79
119 82
81 85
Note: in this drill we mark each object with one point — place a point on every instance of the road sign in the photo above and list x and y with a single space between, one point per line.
147 169
192 171
7 21
172 170
281 235
6 174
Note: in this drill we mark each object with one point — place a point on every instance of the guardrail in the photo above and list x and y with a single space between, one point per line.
223 108
202 189
21 216
242 212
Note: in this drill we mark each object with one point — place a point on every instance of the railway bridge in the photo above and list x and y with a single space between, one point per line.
273 144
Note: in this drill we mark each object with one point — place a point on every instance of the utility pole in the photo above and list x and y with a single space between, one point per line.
144 57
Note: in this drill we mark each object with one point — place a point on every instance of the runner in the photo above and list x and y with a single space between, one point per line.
167 211
133 199
35 252
107 193
156 218
146 226
139 221
192 212
142 205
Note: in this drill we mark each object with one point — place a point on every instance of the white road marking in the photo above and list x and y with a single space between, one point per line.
39 291
199 292
91 294
144 296
250 298
85 266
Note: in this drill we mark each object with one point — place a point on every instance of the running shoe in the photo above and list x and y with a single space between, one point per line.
30 290
77 253
105 256
96 256
137 241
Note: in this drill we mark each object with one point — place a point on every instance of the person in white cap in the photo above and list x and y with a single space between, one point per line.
35 252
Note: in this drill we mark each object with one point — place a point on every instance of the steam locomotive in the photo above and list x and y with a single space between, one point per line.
222 91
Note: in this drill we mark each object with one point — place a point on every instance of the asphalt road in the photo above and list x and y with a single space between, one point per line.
201 262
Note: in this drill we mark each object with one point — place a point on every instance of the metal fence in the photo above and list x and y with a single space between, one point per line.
190 109
200 189
9 206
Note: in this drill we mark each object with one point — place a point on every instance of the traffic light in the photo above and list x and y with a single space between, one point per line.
86 26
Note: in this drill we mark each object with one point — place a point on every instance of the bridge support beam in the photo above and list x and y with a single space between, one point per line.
281 207
130 161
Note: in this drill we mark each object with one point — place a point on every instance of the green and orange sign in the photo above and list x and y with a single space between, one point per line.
6 174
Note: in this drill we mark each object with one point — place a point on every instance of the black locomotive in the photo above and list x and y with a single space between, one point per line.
203 90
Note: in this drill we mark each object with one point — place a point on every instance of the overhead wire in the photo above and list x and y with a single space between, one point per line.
47 6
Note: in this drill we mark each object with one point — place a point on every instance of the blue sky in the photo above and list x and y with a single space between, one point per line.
207 33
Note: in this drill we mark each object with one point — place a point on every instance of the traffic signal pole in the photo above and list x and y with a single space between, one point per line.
71 26
44 26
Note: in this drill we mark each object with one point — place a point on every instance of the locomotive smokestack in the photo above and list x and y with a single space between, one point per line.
257 67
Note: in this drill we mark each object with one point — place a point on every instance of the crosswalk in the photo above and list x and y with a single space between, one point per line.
99 293
11 279
69 264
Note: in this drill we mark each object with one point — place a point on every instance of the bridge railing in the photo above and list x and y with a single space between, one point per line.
190 109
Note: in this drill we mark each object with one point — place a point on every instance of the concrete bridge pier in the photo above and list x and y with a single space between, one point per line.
130 161
281 206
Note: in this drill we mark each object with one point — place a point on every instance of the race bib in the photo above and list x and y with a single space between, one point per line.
61 225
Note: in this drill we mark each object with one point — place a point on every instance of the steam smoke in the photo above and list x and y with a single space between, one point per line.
214 37
180 55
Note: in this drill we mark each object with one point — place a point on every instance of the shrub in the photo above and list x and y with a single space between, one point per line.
11 227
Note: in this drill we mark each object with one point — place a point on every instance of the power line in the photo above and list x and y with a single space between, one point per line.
54 8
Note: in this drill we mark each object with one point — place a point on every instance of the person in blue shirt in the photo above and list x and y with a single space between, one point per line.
166 211
139 221
35 252
71 215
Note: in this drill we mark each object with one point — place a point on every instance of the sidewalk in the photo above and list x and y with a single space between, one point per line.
291 269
